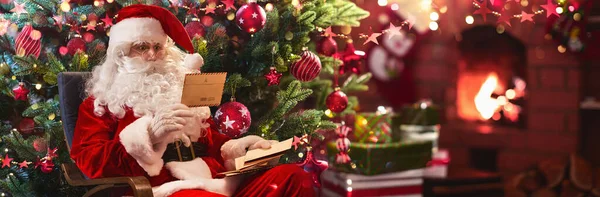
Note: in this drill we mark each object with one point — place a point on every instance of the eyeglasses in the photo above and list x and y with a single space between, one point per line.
147 49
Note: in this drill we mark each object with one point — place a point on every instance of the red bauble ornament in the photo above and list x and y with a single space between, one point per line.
26 126
21 92
76 44
28 42
40 145
232 119
88 37
337 101
307 68
47 166
314 167
273 77
327 46
251 17
195 28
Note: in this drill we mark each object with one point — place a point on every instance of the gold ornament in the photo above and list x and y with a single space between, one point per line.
346 29
51 116
4 69
83 17
289 35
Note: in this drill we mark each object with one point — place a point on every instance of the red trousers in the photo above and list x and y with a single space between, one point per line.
284 180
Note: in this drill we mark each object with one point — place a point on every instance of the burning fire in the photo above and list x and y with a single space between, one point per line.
485 104
487 100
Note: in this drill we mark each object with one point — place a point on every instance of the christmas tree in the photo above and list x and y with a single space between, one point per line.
265 47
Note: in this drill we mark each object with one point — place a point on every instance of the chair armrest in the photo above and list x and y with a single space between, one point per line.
139 184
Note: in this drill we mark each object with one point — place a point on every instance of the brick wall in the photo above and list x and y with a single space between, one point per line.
553 99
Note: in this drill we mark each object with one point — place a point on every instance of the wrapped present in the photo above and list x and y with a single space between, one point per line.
405 183
438 166
372 159
373 128
419 121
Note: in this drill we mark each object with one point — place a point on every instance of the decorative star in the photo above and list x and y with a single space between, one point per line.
296 142
58 19
75 28
107 21
483 10
241 21
228 123
23 164
193 11
244 130
273 77
6 161
394 31
504 18
550 8
52 152
90 27
218 113
4 26
328 32
37 162
526 17
254 15
244 112
19 8
373 38
209 10
228 4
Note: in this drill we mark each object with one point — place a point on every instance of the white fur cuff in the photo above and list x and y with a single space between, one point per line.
136 140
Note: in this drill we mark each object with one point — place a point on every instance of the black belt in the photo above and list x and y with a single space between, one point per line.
178 152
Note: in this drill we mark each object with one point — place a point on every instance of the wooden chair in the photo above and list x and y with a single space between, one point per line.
71 94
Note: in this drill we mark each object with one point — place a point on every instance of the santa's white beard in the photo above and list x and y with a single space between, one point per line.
143 86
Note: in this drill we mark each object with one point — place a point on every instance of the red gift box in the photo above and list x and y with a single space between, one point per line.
406 183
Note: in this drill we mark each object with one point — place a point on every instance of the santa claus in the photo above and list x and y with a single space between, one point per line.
128 124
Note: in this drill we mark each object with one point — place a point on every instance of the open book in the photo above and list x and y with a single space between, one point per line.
259 159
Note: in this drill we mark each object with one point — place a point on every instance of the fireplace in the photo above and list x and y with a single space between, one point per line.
528 94
490 84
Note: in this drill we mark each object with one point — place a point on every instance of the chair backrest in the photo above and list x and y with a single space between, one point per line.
71 86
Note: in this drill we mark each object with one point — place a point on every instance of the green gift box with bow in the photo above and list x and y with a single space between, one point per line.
372 159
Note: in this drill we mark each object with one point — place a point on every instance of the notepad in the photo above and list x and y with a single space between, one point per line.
259 159
203 89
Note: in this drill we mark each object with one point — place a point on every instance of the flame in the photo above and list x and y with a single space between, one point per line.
485 104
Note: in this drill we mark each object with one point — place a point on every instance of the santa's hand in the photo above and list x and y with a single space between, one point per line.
168 120
237 148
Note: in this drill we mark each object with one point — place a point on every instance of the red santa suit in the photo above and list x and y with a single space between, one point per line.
118 144
99 152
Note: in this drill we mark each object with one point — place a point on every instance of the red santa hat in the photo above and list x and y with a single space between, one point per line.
152 24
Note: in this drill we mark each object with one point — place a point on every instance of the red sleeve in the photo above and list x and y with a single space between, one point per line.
96 148
216 140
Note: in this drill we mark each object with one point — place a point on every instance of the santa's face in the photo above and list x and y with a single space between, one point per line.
146 79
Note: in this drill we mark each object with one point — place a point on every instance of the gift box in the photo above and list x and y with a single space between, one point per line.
405 183
438 166
373 128
372 159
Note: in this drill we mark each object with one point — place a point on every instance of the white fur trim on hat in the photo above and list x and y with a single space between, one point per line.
193 61
137 29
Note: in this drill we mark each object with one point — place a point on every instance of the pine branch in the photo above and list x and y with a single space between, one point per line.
234 82
355 84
